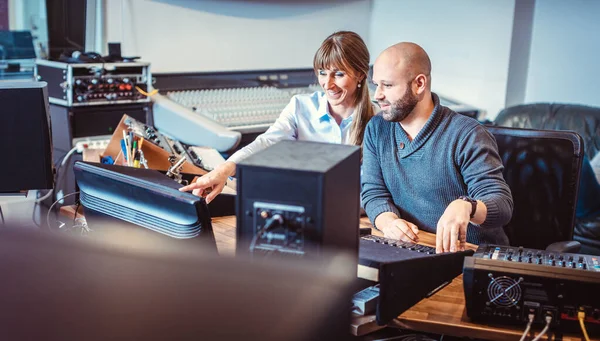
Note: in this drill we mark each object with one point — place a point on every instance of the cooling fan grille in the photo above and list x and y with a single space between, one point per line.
504 291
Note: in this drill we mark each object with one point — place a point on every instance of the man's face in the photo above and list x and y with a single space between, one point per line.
394 93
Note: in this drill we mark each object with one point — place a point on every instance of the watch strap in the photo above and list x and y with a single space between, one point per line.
473 204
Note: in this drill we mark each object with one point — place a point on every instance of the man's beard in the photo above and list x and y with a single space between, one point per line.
402 108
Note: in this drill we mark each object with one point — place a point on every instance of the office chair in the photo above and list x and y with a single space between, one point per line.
542 169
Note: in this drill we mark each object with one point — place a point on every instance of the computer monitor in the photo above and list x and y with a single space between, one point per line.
25 137
191 128
59 288
16 45
143 201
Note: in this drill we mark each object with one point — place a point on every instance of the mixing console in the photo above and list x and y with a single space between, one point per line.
247 110
517 285
531 256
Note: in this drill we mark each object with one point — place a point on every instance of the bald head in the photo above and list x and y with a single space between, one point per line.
408 58
402 73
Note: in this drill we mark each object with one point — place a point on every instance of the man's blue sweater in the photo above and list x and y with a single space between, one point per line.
452 155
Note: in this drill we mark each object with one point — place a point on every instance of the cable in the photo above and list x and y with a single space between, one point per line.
33 215
257 236
152 93
2 215
270 223
46 196
63 160
530 317
59 175
581 318
54 203
76 209
545 330
66 158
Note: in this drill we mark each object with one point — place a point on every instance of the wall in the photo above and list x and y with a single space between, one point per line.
483 53
468 42
219 35
565 46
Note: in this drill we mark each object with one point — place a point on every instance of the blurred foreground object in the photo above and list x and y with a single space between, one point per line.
59 288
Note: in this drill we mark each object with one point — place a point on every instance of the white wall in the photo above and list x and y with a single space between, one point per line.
475 53
468 42
222 35
565 53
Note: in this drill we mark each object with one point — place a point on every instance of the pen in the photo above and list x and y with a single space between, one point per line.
136 159
124 150
127 150
131 139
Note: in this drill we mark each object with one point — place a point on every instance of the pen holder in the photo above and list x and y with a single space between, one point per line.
156 157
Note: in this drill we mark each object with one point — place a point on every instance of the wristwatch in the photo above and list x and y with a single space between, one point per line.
473 204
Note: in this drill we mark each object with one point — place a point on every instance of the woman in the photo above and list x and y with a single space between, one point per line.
338 114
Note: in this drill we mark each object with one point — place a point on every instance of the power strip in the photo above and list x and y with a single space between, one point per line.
95 142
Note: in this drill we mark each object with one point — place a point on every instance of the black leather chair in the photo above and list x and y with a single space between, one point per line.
581 119
584 120
542 169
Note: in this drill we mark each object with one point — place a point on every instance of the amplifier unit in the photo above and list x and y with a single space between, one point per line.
515 285
82 84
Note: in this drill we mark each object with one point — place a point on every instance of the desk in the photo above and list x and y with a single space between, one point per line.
443 313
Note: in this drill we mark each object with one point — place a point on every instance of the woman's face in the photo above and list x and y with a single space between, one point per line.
340 86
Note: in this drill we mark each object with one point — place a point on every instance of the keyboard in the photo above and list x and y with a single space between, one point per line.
400 244
403 271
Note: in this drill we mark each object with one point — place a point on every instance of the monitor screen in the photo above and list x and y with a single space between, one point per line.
25 137
16 45
144 201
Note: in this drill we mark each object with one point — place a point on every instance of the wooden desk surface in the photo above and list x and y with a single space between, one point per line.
442 313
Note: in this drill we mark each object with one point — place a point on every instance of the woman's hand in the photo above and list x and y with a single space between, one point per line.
211 184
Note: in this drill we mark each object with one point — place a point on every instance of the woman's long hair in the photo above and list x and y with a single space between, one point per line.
347 51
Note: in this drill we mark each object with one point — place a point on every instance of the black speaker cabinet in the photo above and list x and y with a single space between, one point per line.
299 198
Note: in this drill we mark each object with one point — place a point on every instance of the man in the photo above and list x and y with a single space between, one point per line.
427 167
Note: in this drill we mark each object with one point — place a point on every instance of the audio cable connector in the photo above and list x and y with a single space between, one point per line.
546 327
530 319
581 318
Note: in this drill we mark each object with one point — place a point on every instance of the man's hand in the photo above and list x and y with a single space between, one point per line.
401 229
211 184
451 234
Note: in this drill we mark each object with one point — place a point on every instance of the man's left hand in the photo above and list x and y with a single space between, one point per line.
451 234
